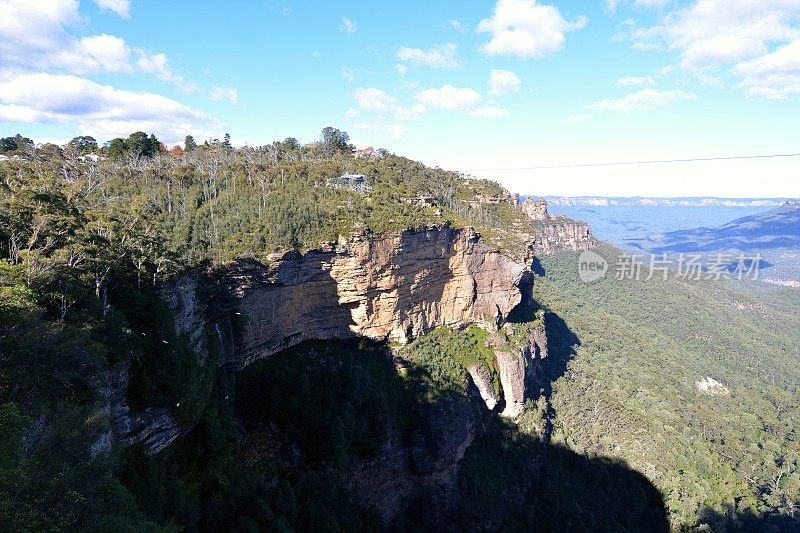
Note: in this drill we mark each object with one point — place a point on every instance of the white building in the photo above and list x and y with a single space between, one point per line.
353 182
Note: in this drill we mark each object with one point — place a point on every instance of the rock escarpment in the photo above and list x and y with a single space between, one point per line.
428 465
387 289
482 379
442 430
535 209
562 233
154 427
517 359
556 232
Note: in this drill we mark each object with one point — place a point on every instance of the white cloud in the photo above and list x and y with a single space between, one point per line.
371 99
580 117
98 109
33 37
437 56
643 100
503 81
633 81
347 26
525 28
31 31
449 97
401 69
755 38
773 75
407 113
219 93
120 7
348 74
712 33
377 101
456 25
158 65
101 53
489 112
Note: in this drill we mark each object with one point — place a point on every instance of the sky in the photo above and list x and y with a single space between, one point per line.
496 89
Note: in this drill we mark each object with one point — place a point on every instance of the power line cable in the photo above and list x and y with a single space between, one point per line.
627 163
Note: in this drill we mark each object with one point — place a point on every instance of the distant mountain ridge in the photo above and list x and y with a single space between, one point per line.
778 228
687 201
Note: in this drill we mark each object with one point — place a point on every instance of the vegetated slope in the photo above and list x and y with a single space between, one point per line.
83 249
630 390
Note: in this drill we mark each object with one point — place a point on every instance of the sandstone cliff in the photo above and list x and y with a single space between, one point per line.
403 472
517 358
556 232
387 289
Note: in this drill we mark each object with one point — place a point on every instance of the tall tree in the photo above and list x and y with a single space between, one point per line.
11 144
189 144
334 141
117 148
84 144
136 143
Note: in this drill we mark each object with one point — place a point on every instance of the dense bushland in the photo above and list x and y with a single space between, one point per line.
630 391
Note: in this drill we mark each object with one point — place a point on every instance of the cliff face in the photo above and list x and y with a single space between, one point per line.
556 232
154 427
427 466
517 361
388 289
562 233
443 430
535 209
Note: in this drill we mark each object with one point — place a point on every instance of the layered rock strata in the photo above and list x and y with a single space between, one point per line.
518 363
556 232
388 289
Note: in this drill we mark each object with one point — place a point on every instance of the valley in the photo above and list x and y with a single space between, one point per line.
229 342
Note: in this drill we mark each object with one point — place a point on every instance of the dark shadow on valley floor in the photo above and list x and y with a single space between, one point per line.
748 522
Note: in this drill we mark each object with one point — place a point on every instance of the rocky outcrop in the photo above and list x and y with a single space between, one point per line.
535 209
403 472
483 382
518 365
556 232
182 295
563 233
154 427
387 289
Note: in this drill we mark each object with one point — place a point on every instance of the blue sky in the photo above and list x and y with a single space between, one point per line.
491 88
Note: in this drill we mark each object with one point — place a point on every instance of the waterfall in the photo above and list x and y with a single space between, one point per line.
225 375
